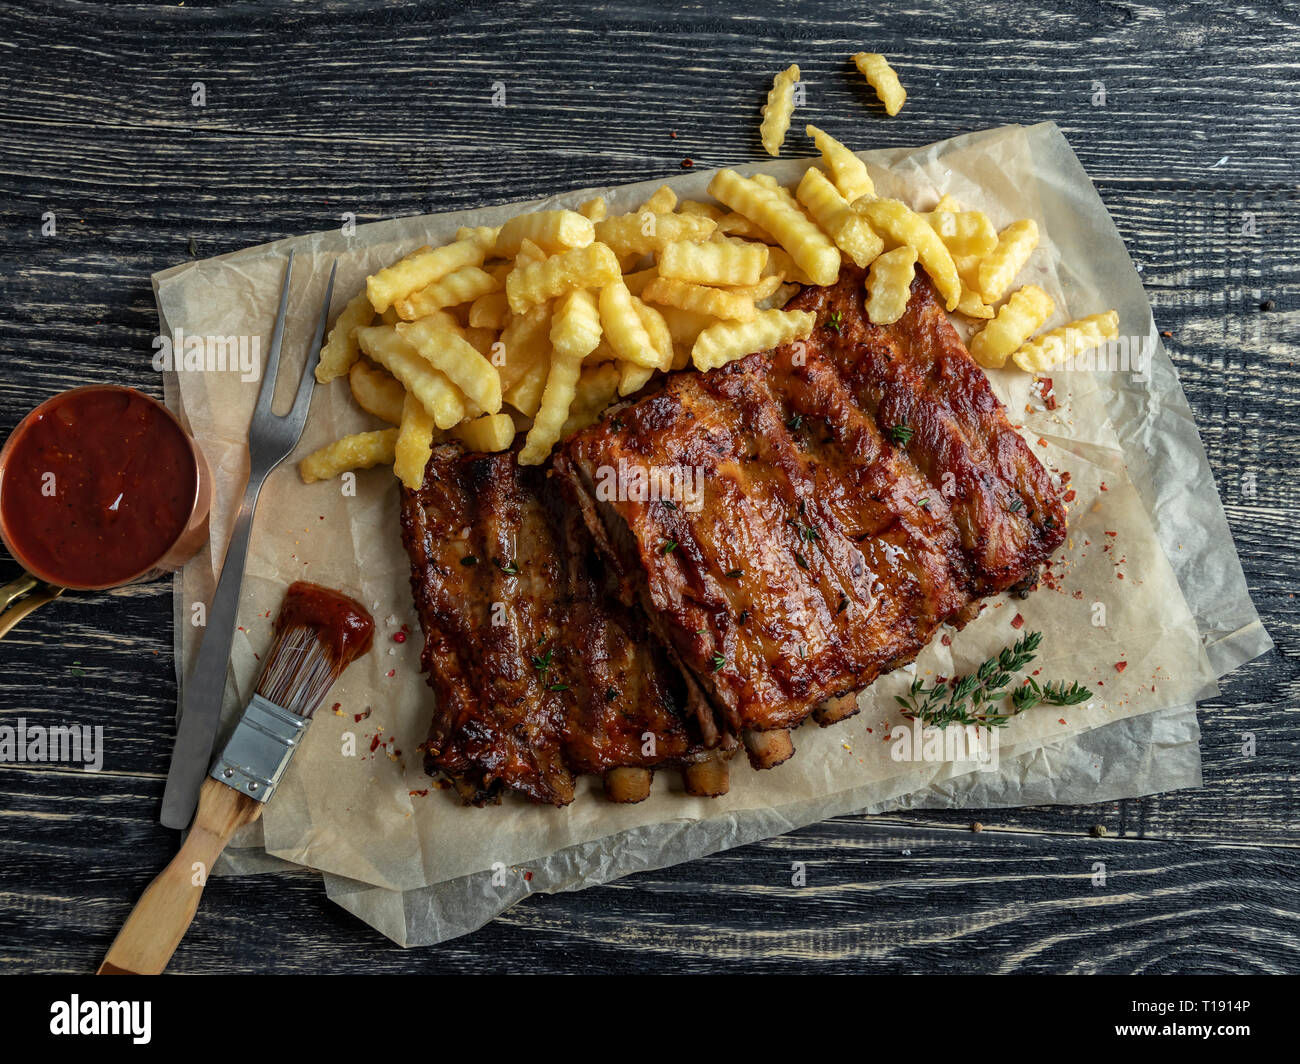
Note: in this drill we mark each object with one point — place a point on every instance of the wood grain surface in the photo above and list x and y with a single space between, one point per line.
385 110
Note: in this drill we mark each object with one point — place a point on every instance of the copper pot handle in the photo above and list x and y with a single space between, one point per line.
13 591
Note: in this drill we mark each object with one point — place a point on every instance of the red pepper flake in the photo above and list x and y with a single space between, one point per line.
1103 486
1120 666
399 637
1060 720
1119 576
946 639
391 672
687 163
1065 477
374 744
418 794
1166 334
1048 392
673 133
1070 495
1042 442
1017 621
1112 534
337 706
528 877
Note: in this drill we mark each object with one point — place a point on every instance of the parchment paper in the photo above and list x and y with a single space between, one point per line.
1149 545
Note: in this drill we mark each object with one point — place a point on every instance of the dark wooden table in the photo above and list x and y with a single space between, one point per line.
386 110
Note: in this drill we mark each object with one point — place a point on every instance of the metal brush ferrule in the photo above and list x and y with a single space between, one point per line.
263 743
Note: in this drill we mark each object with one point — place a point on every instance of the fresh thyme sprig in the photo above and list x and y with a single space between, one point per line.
972 699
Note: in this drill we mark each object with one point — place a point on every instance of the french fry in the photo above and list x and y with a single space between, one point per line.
452 354
899 222
663 201
597 386
414 443
550 230
591 266
685 325
889 284
553 411
661 339
525 340
594 209
415 272
814 252
700 209
964 232
340 349
623 328
764 289
948 202
702 300
774 186
841 223
782 265
527 254
881 76
778 109
1067 342
1015 244
726 341
636 282
733 224
778 299
489 311
972 306
359 451
575 325
1018 319
632 378
461 286
377 391
492 432
713 262
525 395
481 339
440 397
483 235
847 171
644 232
575 333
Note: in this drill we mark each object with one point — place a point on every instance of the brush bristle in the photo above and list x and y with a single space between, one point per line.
298 671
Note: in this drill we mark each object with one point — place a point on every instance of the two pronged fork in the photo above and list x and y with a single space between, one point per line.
271 437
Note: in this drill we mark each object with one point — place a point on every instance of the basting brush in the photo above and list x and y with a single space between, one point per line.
318 633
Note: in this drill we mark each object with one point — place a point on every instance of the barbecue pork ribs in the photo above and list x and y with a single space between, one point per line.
860 488
541 673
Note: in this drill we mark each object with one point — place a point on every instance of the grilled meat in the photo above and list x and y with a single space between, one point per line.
859 489
541 673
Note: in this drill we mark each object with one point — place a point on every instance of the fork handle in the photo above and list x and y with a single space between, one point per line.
201 704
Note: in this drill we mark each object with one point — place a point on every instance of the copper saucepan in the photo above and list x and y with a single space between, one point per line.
28 482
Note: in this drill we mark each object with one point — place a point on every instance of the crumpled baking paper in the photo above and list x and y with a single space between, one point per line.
1146 604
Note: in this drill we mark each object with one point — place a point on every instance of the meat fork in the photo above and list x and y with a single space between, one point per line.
271 437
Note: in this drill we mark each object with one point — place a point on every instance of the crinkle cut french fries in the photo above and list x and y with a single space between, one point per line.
536 325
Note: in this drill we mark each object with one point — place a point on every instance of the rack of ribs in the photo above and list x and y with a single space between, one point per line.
860 488
540 672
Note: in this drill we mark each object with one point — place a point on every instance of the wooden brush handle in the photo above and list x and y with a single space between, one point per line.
163 914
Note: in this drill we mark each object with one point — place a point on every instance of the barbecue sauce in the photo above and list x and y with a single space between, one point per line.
344 627
97 486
